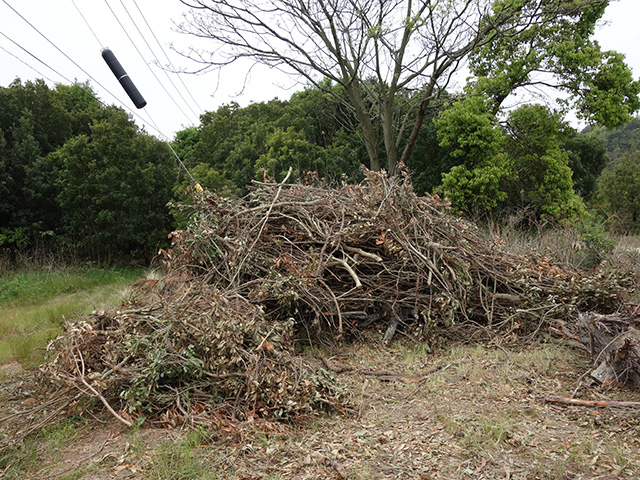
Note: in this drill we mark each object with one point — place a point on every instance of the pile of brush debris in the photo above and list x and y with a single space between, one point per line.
250 277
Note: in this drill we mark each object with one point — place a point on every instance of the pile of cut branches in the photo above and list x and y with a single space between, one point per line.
613 342
188 357
251 274
346 258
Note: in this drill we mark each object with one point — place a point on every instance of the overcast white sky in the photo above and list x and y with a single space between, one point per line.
170 109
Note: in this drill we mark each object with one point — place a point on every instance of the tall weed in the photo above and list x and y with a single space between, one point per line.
583 245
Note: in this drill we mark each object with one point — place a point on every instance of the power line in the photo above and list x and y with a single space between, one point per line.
158 61
25 63
89 91
152 123
28 52
87 23
165 55
154 126
65 55
145 62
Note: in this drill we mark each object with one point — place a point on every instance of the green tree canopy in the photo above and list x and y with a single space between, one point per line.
34 121
587 159
618 193
114 187
521 164
311 131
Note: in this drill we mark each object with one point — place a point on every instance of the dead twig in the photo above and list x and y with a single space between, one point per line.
81 377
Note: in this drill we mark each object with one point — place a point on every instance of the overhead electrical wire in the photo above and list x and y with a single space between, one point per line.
196 184
25 63
150 49
158 61
65 55
86 22
38 59
165 55
153 124
145 62
70 82
83 100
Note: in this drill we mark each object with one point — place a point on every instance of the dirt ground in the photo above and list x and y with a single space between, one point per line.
463 412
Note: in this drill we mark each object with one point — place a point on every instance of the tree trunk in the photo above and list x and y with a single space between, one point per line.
368 132
390 145
422 110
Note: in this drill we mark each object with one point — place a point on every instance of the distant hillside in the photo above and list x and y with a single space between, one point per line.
621 140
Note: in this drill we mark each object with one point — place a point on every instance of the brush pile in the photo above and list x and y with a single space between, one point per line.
192 356
346 258
613 342
252 276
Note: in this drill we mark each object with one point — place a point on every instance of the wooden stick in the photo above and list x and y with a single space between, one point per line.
362 253
576 402
98 395
347 267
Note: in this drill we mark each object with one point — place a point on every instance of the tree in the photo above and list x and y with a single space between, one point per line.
383 54
82 103
429 160
522 164
558 52
231 139
469 130
618 141
542 178
618 193
587 158
235 141
114 187
33 123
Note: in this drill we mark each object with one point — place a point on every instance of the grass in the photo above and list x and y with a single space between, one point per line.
35 304
23 288
180 459
50 442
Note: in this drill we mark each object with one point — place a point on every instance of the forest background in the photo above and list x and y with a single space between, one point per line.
82 179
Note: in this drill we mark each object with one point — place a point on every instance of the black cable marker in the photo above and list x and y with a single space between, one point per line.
123 78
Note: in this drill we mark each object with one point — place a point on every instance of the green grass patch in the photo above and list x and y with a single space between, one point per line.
35 305
27 457
179 459
24 288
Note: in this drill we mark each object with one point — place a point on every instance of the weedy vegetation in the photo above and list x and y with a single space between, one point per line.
36 302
